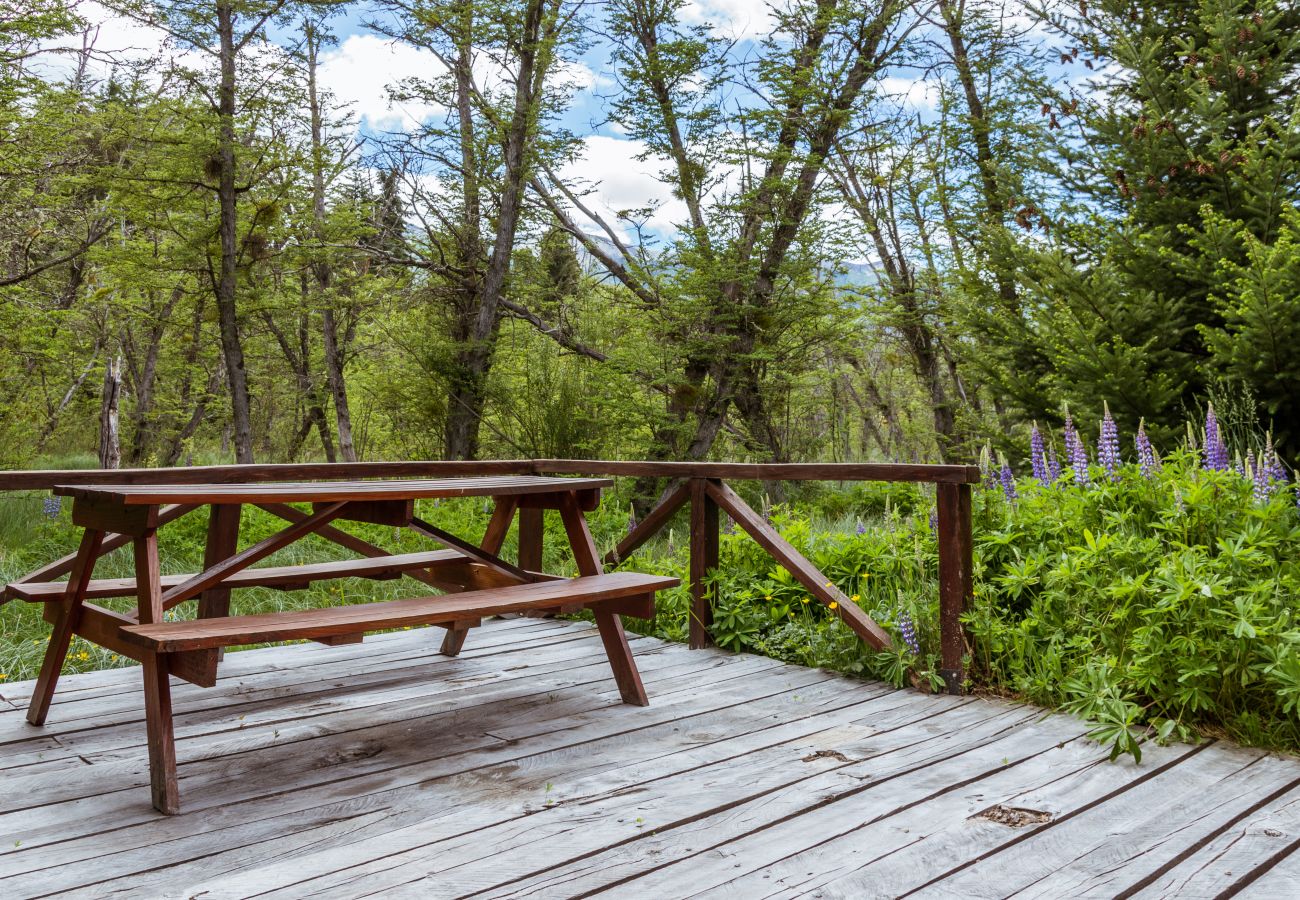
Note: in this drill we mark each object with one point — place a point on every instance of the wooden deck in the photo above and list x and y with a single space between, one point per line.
513 771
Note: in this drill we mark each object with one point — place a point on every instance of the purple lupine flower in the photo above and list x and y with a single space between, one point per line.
861 529
1263 488
908 630
1215 453
1008 481
1148 462
1037 457
631 522
1239 467
1108 444
1075 451
1053 466
934 521
1276 471
51 506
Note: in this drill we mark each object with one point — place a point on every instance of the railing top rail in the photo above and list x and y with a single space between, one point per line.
45 479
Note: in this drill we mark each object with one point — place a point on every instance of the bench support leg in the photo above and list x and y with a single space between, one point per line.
162 742
157 686
64 626
453 641
620 659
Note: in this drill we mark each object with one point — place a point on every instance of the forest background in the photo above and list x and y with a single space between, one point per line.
655 229
1004 231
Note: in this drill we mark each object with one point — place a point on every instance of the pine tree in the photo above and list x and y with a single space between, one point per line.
1185 153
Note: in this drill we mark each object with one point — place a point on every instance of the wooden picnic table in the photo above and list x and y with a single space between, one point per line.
474 580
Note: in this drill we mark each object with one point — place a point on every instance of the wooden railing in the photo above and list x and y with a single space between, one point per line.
701 484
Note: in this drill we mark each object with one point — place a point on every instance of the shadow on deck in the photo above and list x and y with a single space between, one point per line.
513 771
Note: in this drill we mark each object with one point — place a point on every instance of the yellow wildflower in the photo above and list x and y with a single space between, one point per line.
855 598
3 676
834 605
806 599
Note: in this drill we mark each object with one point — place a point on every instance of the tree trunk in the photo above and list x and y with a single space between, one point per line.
110 446
322 270
227 312
468 394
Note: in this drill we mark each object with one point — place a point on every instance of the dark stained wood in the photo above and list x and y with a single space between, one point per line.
223 542
477 554
704 562
649 526
531 536
157 686
111 542
932 474
69 614
587 500
583 545
282 577
612 635
338 640
107 515
198 634
797 565
378 512
350 541
330 491
44 480
103 627
257 474
454 641
259 551
955 579
494 536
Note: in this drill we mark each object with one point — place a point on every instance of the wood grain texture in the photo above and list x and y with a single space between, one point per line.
198 634
41 480
704 562
326 491
956 579
283 577
65 625
511 772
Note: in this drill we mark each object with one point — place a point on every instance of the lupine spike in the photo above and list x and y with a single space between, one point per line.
1215 453
908 630
1008 480
1148 462
1053 466
1037 457
1076 454
1108 444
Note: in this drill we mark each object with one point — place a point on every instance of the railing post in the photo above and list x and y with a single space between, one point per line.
955 580
704 560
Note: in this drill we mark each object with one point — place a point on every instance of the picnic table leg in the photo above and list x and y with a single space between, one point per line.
610 625
64 626
497 529
223 543
157 686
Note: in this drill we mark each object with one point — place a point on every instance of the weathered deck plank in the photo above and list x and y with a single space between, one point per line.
514 771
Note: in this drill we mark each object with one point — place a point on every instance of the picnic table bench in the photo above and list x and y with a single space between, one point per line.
476 582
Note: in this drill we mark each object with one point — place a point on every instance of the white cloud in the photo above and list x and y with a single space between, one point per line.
735 19
360 71
620 181
914 92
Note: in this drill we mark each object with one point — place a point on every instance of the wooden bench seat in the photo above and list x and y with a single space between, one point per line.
630 593
281 577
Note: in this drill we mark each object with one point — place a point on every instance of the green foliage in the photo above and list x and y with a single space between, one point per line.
1167 602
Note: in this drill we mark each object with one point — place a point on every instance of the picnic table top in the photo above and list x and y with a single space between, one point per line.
329 491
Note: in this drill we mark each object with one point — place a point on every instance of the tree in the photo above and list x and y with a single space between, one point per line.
1193 108
483 154
740 291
